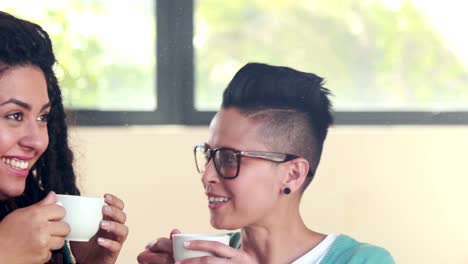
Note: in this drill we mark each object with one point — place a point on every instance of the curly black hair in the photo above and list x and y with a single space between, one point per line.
23 43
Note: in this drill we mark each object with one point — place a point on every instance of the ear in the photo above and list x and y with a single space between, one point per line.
297 170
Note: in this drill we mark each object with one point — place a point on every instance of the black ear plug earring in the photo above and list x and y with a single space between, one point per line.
287 190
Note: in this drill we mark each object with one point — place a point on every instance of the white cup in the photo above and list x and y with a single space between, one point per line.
83 214
181 253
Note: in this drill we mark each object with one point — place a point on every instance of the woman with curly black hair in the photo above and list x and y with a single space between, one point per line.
36 161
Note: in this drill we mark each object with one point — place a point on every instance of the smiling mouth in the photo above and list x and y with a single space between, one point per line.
16 163
218 200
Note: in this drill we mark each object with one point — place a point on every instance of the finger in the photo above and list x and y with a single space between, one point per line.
148 257
174 231
61 229
114 201
217 248
56 242
49 199
150 244
110 244
53 212
47 256
114 213
163 245
204 260
120 231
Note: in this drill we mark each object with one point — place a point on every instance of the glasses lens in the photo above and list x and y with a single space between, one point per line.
202 157
226 163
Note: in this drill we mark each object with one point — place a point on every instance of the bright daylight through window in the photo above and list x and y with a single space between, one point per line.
105 49
385 61
386 55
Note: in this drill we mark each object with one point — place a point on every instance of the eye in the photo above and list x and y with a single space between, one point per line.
18 116
43 118
227 158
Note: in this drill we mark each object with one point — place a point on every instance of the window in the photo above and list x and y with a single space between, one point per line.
167 62
105 50
379 58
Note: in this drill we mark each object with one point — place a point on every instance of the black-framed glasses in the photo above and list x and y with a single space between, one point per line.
227 160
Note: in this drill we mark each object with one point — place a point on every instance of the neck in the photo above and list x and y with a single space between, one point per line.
280 237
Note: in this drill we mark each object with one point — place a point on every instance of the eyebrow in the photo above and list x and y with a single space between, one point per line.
23 104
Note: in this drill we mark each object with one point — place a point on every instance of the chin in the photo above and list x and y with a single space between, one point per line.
11 193
5 196
217 223
224 225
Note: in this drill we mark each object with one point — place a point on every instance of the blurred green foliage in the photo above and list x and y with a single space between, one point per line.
372 56
99 65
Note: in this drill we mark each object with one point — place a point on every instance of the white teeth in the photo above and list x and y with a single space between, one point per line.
218 199
16 163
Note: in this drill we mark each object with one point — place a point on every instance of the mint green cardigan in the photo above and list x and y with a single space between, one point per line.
344 250
67 255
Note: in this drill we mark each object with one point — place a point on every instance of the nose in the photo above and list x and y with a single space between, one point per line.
210 175
34 136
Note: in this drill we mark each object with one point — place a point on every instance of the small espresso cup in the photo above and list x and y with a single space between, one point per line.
83 214
181 253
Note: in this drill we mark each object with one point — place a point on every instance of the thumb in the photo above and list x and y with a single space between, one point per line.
49 199
174 231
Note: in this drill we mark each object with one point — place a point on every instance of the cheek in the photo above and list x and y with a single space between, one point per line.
254 193
7 140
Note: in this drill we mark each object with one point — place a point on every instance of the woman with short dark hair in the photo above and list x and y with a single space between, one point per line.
262 151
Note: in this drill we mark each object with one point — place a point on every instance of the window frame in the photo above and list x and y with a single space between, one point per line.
175 85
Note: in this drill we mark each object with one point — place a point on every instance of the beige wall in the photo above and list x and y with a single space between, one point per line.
404 188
